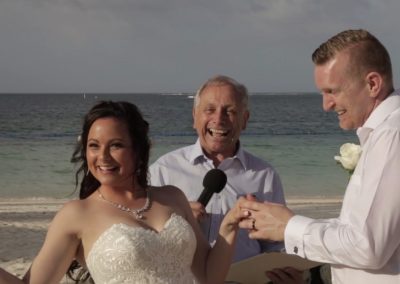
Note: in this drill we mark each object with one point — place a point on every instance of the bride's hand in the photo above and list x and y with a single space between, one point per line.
234 216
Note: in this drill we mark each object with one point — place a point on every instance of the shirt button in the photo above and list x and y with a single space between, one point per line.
295 250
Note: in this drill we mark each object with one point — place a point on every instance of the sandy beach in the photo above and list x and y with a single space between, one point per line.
23 225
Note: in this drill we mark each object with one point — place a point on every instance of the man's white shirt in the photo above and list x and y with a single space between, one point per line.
363 243
186 167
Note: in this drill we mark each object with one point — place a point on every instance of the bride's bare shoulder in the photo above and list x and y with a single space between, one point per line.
75 206
171 196
167 191
73 212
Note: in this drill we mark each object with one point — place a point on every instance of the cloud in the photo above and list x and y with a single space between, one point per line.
154 45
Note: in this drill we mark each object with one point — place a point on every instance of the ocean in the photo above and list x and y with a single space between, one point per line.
38 133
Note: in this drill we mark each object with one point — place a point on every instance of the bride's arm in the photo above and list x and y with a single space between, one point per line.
60 246
220 256
211 265
57 252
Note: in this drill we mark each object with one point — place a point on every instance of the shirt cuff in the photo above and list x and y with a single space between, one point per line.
294 234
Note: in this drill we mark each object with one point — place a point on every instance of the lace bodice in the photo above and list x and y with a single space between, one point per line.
126 254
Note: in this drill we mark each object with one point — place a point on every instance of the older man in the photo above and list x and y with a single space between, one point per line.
220 113
354 74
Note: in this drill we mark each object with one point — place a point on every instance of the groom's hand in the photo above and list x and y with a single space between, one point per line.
267 221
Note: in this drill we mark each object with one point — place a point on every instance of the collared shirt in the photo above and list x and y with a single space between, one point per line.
186 167
363 243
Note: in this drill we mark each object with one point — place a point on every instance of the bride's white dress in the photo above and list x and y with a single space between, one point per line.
126 254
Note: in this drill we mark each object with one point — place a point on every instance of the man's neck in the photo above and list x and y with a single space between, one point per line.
217 158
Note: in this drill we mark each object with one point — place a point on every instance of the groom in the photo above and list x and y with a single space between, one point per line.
354 74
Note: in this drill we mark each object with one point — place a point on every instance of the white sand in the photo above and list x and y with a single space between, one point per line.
23 225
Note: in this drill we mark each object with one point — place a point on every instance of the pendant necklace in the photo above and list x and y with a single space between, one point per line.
137 213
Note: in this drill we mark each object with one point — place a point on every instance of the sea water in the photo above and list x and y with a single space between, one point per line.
38 133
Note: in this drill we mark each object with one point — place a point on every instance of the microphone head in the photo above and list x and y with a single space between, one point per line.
214 180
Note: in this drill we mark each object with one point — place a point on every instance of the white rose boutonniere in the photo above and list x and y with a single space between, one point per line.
349 155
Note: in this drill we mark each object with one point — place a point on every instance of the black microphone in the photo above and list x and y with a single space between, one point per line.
214 181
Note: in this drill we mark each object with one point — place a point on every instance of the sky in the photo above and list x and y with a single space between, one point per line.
121 46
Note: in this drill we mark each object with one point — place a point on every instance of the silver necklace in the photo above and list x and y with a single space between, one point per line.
137 213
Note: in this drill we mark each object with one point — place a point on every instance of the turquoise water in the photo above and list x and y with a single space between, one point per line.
38 132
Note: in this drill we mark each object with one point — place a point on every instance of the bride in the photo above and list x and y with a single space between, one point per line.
122 230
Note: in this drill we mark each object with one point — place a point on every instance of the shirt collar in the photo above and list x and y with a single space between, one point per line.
197 154
378 115
241 156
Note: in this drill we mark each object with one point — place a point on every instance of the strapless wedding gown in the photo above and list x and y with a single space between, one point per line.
126 254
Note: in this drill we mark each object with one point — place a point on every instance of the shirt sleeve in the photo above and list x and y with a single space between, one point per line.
277 197
367 232
155 175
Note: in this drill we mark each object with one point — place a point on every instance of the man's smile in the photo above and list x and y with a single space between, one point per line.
217 132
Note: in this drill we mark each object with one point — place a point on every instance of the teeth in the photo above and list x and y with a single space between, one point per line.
218 131
340 112
103 168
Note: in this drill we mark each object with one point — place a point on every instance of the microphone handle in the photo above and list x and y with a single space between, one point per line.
205 197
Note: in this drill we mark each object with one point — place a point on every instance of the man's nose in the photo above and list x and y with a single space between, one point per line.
327 102
220 115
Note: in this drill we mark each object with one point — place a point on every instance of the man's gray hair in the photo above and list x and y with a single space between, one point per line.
220 80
